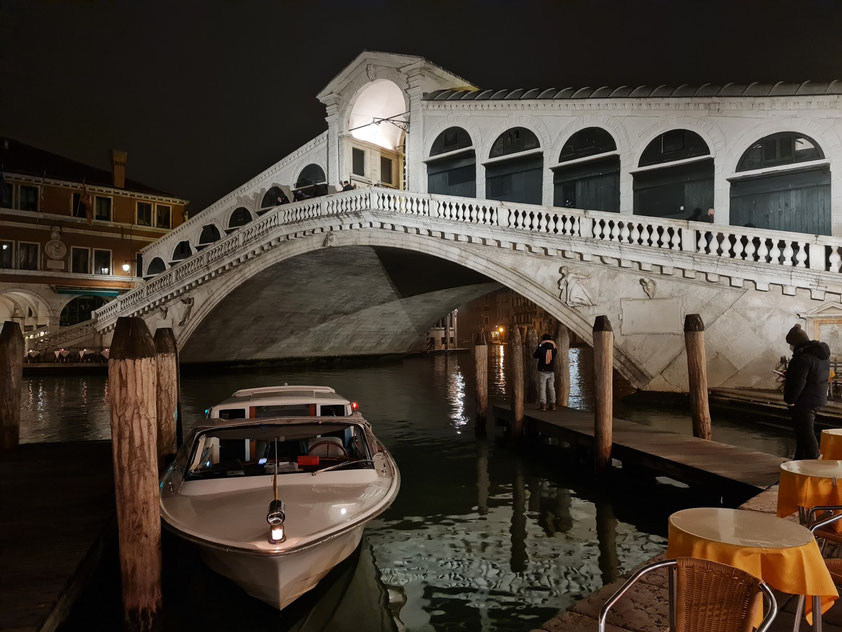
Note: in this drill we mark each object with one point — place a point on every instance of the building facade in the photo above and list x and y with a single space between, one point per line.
70 235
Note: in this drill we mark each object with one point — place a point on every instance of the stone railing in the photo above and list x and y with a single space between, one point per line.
775 249
64 335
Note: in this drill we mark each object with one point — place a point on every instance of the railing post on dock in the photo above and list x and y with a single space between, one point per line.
11 356
562 374
481 364
133 378
166 352
694 342
516 381
531 365
603 368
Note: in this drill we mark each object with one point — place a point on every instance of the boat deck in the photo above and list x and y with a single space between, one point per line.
56 504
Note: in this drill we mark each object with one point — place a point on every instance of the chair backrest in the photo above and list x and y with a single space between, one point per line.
713 597
707 597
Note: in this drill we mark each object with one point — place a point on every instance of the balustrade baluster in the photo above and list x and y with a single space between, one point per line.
787 255
544 223
835 259
625 232
634 234
801 255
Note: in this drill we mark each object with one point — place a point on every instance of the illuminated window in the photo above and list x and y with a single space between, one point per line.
102 262
7 250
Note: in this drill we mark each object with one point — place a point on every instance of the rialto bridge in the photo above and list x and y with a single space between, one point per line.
461 191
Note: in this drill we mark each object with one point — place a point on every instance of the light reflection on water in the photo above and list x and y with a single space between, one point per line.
480 537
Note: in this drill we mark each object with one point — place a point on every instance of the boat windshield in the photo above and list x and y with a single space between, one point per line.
288 448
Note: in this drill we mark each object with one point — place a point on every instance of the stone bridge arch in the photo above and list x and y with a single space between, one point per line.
209 321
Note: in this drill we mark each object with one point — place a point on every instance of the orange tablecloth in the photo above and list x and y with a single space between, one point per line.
796 570
831 444
798 489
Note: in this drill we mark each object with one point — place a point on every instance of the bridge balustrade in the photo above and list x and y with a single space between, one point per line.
733 243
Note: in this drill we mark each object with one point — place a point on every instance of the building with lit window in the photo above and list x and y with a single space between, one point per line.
70 234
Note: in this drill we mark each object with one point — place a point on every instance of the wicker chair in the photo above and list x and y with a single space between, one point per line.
706 597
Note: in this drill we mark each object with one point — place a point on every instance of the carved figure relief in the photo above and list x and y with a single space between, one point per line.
649 286
188 302
369 72
164 310
572 291
330 240
55 248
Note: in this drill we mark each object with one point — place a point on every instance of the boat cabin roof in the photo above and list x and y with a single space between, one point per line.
216 424
276 395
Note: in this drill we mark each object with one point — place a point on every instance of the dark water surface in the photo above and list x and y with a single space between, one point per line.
480 537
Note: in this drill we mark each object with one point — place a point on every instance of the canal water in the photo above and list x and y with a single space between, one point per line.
480 538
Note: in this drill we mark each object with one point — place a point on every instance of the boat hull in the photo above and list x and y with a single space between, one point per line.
279 580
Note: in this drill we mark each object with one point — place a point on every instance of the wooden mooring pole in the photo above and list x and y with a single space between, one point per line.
167 394
697 374
11 377
133 383
603 369
515 381
481 367
531 365
562 374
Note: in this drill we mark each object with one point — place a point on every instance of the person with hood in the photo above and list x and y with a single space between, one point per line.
805 388
546 353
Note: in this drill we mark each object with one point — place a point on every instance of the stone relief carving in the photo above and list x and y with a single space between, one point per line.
572 291
164 310
188 302
55 248
649 286
330 240
370 73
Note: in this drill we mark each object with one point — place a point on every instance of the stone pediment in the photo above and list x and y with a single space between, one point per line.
830 309
371 65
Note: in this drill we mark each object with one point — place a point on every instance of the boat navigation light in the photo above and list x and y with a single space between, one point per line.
275 518
355 406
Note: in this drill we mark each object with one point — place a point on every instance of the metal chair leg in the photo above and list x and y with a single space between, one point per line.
817 614
799 611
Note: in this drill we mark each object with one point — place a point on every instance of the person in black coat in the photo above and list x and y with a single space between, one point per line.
805 388
546 353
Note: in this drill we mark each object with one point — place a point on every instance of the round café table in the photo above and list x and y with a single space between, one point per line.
831 444
780 552
809 483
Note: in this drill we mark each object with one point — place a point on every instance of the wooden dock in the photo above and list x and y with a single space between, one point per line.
56 505
738 472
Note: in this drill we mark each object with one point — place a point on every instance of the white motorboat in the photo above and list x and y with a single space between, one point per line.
277 486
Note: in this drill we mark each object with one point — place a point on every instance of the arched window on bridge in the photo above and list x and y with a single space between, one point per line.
156 266
240 217
210 234
675 177
273 197
452 166
514 171
588 173
783 183
79 309
311 182
182 251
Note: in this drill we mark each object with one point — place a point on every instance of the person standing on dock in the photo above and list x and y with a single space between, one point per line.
546 353
805 388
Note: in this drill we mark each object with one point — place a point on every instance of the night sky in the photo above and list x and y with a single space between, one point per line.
205 95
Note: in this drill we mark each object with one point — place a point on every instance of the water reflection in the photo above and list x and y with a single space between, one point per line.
480 537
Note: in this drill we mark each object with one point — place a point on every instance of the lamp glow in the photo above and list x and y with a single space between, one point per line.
275 518
126 267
